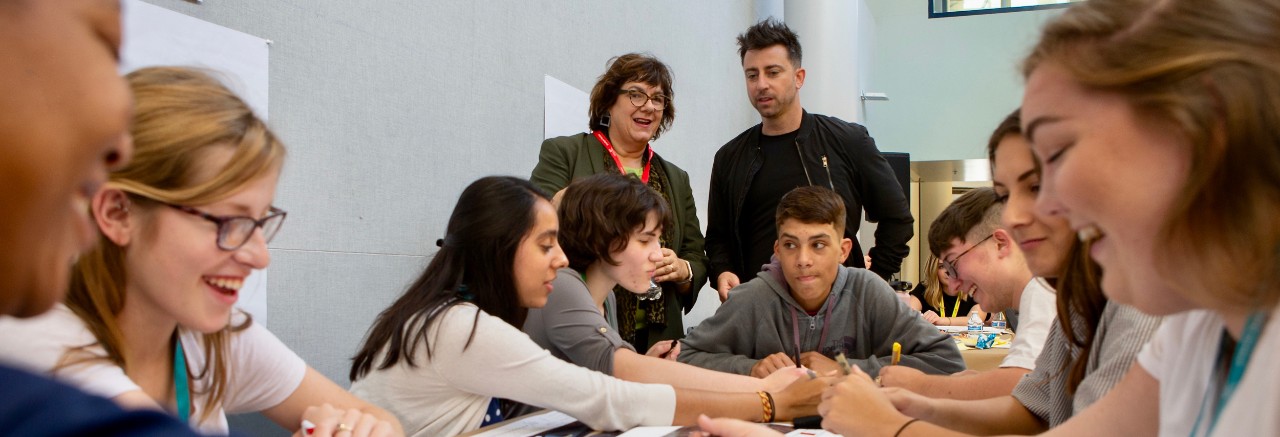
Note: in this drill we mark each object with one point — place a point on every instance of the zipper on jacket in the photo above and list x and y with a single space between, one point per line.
830 182
805 167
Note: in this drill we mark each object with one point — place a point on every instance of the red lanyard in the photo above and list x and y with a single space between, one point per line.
644 177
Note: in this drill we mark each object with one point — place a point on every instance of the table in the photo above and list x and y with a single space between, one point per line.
577 429
983 359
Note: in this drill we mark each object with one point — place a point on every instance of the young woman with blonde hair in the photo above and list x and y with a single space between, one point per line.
939 306
149 321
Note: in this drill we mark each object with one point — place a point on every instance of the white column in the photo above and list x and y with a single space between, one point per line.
768 8
837 37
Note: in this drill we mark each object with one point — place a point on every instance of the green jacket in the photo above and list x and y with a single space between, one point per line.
563 159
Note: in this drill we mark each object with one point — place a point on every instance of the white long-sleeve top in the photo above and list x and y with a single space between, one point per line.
448 393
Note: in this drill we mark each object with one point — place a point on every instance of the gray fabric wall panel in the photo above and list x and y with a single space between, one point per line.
321 303
390 108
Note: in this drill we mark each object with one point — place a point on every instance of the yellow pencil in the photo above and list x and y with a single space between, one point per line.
897 353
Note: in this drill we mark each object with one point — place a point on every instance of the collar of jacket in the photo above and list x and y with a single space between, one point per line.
807 122
777 281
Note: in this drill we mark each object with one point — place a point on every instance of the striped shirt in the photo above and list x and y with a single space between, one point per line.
1121 334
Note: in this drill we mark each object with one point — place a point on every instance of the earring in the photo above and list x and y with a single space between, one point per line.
604 121
122 207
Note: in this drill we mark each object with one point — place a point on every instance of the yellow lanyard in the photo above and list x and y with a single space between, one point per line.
956 309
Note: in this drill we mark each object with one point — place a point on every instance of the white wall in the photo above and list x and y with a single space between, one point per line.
950 80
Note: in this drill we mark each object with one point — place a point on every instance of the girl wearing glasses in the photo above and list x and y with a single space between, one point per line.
631 105
149 320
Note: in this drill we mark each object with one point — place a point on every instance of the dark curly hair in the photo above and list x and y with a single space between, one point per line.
631 67
599 213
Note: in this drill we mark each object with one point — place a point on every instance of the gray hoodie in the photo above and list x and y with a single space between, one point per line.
756 321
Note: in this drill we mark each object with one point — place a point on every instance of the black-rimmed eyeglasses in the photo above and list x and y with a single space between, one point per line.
235 231
949 267
639 98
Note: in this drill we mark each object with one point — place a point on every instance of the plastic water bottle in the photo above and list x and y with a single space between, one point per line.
998 322
975 324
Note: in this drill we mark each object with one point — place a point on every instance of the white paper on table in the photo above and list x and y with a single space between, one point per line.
811 433
965 329
650 431
530 425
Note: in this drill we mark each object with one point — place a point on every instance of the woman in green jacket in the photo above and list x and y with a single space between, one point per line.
631 105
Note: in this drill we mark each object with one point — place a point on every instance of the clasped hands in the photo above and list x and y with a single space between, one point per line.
671 268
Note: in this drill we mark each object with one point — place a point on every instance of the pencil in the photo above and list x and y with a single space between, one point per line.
668 352
843 362
897 354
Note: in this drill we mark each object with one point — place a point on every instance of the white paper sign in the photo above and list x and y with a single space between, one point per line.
564 109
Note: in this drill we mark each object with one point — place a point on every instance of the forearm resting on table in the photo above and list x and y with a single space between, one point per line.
982 385
631 366
1002 415
691 403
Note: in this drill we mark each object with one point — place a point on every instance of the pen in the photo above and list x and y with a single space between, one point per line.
897 354
307 427
668 352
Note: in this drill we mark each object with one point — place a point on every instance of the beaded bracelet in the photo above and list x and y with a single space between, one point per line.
766 402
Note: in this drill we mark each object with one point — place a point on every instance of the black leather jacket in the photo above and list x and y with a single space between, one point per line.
836 154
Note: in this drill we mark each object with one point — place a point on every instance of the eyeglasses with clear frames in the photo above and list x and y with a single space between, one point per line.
235 231
639 98
949 267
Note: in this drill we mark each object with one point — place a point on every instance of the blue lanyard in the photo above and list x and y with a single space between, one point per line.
180 381
1239 363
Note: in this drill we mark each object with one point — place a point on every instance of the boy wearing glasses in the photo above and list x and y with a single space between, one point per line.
805 308
981 258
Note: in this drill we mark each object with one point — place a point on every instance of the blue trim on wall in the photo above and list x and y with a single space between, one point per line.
933 14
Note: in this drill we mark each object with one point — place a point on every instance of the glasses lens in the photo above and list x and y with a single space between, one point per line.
637 98
272 225
235 232
659 102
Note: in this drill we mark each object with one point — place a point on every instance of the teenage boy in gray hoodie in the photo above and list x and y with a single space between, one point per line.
806 306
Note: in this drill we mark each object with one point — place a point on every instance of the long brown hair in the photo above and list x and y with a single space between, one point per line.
1211 70
180 114
1079 287
475 265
